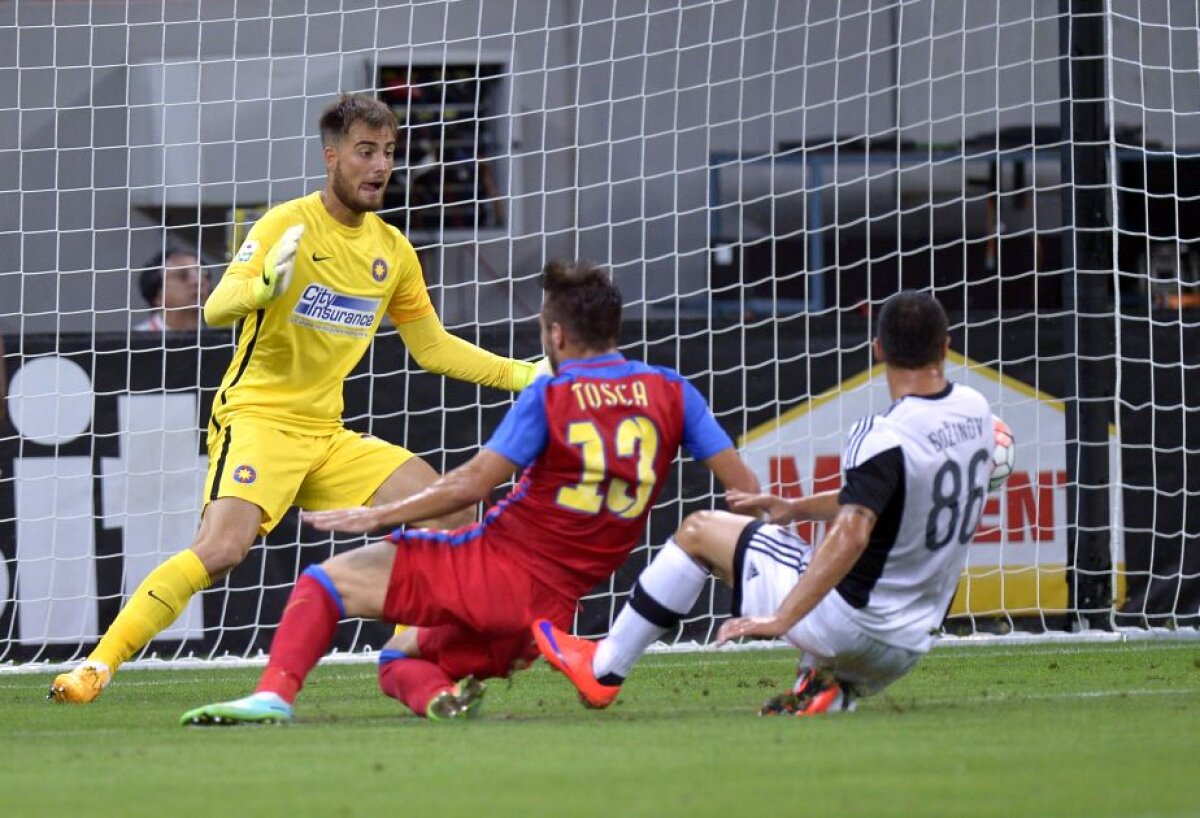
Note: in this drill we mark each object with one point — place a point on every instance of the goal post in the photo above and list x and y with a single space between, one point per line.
1088 388
758 176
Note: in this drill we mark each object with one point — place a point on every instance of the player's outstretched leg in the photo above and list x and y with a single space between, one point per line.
572 657
80 685
304 634
463 701
257 708
816 690
155 604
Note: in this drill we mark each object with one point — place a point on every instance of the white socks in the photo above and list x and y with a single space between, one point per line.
662 596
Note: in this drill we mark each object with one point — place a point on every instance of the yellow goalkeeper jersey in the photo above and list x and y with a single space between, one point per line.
294 354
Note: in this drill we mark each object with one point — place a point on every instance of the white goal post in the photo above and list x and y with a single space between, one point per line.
759 176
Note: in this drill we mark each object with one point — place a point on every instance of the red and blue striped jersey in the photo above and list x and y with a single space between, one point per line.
597 441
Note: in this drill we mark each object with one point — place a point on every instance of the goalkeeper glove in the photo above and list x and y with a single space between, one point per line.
526 372
277 266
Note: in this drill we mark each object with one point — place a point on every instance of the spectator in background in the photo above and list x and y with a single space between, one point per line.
175 285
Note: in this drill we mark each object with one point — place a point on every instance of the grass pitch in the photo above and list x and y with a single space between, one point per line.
1069 730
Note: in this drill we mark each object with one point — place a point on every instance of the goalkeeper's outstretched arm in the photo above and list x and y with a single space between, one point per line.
244 289
436 350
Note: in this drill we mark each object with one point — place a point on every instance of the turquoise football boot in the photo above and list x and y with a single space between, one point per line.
257 708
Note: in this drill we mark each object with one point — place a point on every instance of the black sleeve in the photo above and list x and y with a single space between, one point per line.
873 482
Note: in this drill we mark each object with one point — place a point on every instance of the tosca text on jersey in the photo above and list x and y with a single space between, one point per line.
603 393
955 432
323 309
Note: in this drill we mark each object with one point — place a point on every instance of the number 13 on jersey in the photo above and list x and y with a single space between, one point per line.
636 437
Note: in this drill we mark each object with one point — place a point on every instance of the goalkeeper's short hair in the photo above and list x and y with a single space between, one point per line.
341 115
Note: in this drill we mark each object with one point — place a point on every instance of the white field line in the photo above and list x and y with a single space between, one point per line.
902 705
1074 694
11 683
1054 644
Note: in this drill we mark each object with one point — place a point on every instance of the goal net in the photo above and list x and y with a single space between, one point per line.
758 176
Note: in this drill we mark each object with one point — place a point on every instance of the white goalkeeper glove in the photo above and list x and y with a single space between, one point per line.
277 266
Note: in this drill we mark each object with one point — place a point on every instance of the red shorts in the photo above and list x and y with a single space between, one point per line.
472 603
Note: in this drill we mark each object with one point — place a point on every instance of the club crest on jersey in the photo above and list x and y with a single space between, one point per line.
245 474
379 270
327 310
247 251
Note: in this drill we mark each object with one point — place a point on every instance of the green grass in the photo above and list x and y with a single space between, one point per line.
1108 730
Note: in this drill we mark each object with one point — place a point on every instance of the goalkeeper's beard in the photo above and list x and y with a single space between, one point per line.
349 196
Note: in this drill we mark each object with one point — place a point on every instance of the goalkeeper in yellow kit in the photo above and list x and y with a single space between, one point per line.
310 286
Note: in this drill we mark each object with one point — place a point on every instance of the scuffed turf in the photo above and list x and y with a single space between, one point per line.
1070 730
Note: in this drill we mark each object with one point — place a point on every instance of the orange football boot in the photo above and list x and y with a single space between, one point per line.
572 657
81 685
816 691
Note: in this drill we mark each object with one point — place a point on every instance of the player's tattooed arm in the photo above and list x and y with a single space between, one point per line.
861 511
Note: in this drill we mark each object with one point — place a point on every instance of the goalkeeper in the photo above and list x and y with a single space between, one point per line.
309 288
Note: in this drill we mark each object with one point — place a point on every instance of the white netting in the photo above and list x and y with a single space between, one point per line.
758 175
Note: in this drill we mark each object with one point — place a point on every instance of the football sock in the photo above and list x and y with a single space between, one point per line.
156 603
662 596
412 681
305 633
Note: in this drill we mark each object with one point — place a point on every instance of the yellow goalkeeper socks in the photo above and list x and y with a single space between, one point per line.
155 604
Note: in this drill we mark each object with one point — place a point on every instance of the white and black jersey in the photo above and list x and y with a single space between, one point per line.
922 467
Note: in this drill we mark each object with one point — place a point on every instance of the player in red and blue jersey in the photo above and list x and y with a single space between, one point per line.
593 444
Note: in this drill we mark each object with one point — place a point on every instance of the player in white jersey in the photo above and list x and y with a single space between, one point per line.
863 605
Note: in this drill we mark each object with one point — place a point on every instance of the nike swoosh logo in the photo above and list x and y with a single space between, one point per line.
159 599
315 257
548 632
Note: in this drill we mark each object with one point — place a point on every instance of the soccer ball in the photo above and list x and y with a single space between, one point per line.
1004 454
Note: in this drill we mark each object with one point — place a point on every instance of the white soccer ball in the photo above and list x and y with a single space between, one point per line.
1004 454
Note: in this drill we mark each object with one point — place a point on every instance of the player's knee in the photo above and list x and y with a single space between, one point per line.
221 551
689 536
361 578
404 641
342 573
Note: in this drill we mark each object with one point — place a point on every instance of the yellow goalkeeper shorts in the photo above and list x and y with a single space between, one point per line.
254 461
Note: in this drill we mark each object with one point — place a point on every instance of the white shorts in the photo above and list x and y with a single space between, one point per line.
767 564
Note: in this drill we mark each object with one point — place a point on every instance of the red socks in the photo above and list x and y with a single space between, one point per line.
304 635
412 681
